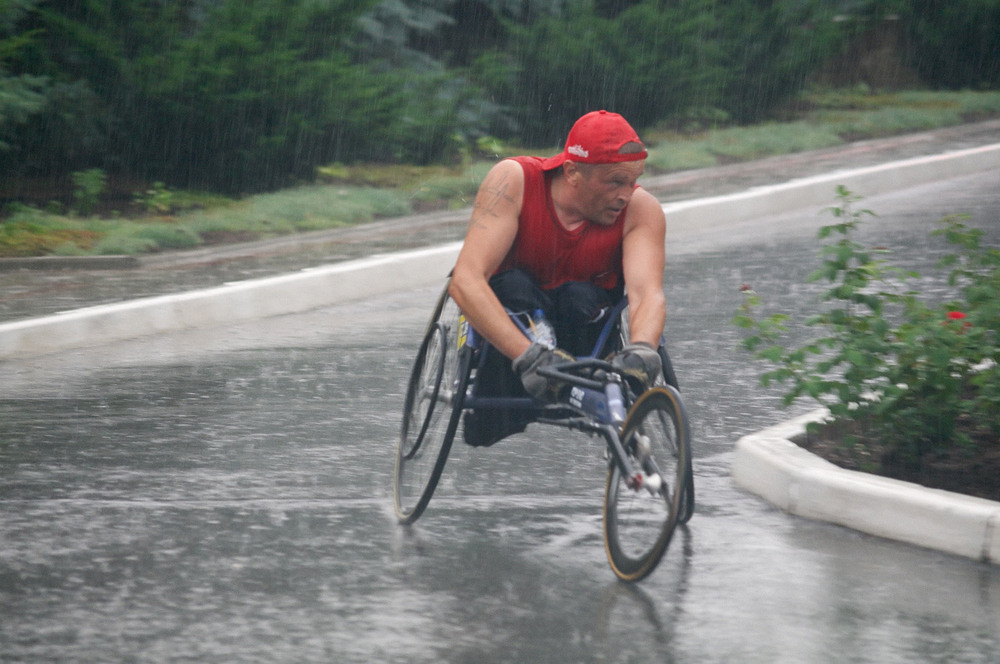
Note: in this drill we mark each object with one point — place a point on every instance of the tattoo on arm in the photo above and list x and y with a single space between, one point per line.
489 198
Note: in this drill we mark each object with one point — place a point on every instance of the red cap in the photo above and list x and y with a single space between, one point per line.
596 138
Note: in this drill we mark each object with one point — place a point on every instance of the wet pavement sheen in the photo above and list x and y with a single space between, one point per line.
225 495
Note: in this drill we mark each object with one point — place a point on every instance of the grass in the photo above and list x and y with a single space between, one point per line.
731 144
162 219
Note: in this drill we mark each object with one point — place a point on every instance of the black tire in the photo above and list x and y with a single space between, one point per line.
638 523
431 411
687 500
668 377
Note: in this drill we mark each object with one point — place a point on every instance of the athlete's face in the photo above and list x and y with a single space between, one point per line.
605 189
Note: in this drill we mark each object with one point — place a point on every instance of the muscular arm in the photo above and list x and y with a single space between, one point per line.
490 236
643 260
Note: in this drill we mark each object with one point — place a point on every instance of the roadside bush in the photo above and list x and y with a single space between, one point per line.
88 186
917 377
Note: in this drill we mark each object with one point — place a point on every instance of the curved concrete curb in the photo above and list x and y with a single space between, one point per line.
770 465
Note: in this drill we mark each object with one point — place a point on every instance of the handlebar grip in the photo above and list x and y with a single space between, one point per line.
563 371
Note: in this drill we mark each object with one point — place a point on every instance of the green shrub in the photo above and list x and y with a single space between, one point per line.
88 186
157 199
920 377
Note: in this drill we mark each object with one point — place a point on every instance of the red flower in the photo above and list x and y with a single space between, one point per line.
958 315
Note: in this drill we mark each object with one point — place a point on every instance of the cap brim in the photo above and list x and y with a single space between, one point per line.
554 162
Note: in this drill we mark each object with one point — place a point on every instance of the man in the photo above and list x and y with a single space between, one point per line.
566 235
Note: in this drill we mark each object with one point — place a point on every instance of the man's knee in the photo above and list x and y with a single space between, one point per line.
582 303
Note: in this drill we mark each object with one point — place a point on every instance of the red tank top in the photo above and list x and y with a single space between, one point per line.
554 255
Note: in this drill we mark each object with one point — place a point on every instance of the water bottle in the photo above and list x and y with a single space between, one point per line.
541 329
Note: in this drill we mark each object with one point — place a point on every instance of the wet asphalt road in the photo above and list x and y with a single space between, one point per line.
224 496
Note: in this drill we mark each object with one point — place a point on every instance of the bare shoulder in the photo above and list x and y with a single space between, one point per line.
506 167
494 221
645 211
503 183
499 197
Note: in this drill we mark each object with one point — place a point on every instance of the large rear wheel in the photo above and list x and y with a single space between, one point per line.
431 411
639 519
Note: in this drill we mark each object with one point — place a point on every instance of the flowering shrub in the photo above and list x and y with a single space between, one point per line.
915 377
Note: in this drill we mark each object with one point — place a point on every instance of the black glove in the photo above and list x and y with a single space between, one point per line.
528 363
639 361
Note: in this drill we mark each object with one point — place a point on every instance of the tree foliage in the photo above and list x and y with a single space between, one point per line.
230 94
955 44
243 95
647 62
21 96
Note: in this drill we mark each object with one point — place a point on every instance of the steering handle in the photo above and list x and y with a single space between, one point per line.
566 372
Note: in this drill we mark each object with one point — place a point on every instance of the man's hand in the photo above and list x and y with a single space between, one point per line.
528 363
639 361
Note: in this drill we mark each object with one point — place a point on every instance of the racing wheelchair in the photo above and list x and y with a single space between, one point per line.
649 487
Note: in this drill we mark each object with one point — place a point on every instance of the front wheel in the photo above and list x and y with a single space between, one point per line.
670 378
639 520
431 411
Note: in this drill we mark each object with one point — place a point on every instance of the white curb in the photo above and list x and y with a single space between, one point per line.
804 192
233 302
770 465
